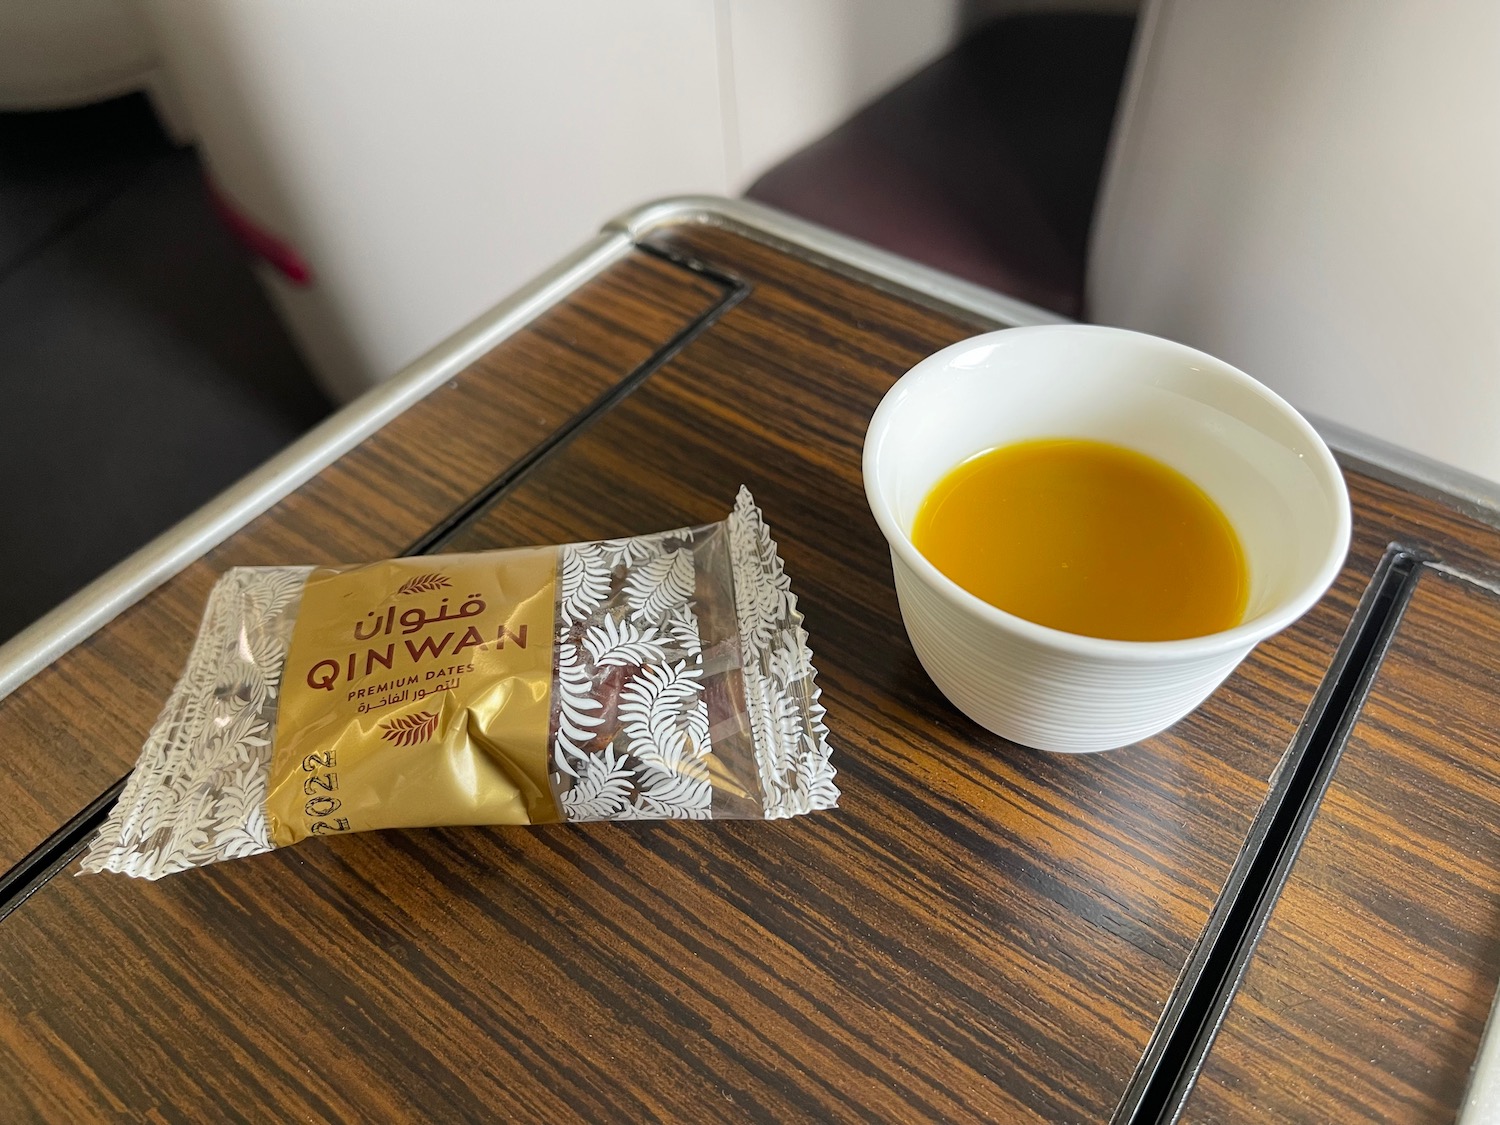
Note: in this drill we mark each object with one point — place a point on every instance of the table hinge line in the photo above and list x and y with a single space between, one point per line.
1158 1091
693 265
58 850
446 528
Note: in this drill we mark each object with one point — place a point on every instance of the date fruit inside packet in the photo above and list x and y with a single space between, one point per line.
660 676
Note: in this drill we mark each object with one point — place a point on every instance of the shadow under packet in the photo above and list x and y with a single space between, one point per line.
656 676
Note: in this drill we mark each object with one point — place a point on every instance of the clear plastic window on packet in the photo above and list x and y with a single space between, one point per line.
659 676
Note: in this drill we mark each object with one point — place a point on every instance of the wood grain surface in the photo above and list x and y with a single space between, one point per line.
1367 995
981 932
76 727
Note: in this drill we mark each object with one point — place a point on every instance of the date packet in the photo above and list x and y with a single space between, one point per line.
659 676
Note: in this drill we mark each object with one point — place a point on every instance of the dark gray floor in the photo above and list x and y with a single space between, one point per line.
141 368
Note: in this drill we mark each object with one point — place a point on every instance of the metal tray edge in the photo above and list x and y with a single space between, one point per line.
771 225
1474 496
98 603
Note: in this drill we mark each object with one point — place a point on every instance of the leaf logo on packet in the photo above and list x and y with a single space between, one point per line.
424 584
408 730
659 676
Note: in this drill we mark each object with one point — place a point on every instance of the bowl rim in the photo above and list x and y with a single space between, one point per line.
1242 636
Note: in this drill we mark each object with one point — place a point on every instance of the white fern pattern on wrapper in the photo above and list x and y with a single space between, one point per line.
645 633
602 790
658 586
644 628
198 794
623 644
791 739
584 579
577 709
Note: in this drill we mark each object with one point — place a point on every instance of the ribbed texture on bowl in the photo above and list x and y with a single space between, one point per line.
1254 455
1044 697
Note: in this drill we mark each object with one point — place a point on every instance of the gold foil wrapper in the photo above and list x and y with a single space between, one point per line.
417 692
660 676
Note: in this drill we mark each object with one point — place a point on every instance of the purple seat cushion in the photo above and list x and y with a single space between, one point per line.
985 164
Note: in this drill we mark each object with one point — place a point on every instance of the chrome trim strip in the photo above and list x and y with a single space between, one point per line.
851 255
1474 496
98 603
1481 1104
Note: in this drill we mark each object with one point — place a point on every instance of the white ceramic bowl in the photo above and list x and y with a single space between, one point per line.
1255 456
